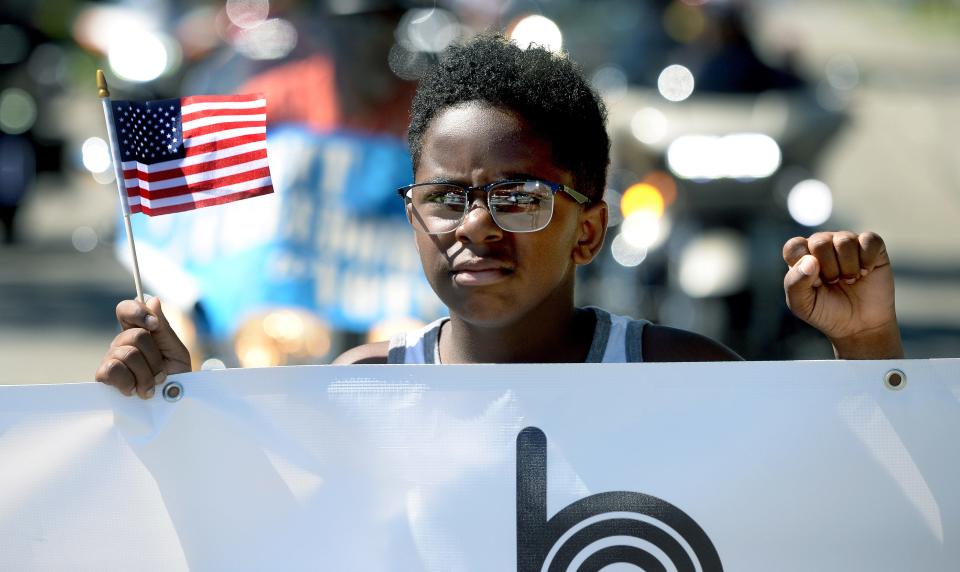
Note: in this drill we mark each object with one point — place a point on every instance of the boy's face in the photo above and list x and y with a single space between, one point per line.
486 275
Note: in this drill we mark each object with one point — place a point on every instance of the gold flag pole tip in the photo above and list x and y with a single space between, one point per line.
102 84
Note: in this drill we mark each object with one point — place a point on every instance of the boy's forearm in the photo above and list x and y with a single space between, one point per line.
879 343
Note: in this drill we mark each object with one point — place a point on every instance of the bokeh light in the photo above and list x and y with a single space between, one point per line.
104 177
626 254
751 155
810 202
649 125
675 83
389 327
642 197
247 14
428 30
742 156
663 183
138 56
271 40
842 72
280 337
84 239
610 81
95 154
537 30
212 364
48 65
643 229
714 264
18 111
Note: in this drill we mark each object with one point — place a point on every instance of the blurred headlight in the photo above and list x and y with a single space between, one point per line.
736 156
284 336
714 264
810 202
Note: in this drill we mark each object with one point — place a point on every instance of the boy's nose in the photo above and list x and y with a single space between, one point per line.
478 225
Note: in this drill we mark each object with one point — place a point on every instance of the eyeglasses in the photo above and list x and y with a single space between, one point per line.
515 205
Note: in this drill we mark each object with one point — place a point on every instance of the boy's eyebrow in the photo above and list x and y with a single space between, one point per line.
443 180
511 176
522 177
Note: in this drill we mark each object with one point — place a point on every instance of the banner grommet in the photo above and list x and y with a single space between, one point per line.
895 379
172 391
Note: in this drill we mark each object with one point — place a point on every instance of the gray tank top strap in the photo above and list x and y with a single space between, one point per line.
601 334
431 347
616 339
634 340
398 349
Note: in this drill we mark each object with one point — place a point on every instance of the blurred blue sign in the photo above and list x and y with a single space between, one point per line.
333 239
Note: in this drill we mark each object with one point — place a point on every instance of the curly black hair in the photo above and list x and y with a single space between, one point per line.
546 89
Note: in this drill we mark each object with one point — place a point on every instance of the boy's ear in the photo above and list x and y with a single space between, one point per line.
592 230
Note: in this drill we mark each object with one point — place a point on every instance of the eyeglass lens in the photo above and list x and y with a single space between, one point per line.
516 207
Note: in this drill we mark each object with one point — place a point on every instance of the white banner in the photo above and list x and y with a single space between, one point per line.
675 467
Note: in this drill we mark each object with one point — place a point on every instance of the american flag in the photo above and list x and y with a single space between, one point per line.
192 152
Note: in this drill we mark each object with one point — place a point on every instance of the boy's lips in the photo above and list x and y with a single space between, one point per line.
480 272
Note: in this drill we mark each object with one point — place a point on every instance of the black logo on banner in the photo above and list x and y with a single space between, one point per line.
583 525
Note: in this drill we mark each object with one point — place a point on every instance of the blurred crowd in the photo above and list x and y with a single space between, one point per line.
719 141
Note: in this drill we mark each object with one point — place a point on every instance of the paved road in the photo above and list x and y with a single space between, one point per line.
55 312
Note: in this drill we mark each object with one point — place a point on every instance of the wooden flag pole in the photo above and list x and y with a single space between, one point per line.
104 94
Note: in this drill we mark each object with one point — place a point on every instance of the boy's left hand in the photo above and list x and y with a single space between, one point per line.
841 283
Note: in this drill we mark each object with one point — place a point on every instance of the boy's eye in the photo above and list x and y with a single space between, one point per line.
442 197
516 199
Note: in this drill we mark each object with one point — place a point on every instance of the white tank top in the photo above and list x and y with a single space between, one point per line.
616 339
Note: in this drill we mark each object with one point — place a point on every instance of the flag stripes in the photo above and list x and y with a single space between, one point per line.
177 192
131 168
217 127
225 137
215 112
195 173
200 200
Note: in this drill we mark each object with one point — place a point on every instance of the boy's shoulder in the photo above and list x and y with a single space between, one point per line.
375 353
660 344
666 344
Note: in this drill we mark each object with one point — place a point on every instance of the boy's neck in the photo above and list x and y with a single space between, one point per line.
545 335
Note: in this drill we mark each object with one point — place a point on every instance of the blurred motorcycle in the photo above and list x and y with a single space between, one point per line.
704 192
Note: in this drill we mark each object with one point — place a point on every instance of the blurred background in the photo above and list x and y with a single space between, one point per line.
735 125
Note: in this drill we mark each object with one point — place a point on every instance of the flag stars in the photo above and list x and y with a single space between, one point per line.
150 131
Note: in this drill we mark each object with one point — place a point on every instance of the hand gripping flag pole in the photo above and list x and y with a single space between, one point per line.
104 94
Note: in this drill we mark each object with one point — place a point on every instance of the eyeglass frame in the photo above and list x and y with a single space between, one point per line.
555 188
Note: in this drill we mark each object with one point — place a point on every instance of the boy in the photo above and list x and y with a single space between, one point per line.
510 155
